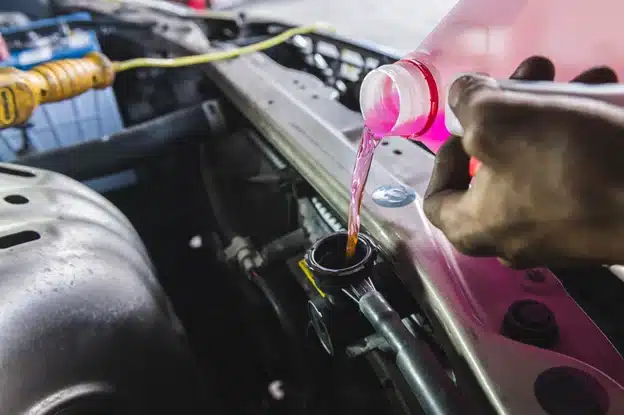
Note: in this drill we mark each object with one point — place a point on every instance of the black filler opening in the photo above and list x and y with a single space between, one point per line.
328 261
332 253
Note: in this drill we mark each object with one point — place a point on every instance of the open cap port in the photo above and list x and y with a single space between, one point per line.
333 270
336 318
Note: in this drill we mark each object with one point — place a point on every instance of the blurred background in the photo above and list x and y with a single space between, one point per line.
398 24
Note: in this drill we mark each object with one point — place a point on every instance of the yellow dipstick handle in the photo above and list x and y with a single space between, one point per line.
21 92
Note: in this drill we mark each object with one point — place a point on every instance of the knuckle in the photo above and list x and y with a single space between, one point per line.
459 88
489 123
476 238
484 101
473 139
517 257
463 243
516 262
467 247
463 247
465 88
479 139
432 210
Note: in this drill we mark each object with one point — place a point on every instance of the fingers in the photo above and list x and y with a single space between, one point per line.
488 115
467 89
490 118
465 92
446 206
448 181
598 75
535 68
497 126
470 98
450 171
539 68
470 89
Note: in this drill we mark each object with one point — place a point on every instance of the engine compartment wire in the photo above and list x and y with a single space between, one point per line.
63 79
183 61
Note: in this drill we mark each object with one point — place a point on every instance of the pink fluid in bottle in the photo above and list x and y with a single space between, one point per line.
407 98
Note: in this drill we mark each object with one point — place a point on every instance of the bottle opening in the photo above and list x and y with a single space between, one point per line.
400 99
380 101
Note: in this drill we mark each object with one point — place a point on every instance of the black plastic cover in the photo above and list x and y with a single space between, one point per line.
84 325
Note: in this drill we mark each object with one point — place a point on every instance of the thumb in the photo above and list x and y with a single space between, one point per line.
467 88
535 68
464 92
449 181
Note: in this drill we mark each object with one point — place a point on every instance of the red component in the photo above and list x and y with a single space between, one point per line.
197 4
433 95
474 166
4 49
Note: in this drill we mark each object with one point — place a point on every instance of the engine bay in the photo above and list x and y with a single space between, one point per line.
205 271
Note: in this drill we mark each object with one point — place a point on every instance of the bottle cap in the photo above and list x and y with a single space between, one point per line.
399 99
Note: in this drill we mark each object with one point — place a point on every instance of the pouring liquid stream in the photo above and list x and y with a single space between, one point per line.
372 135
363 161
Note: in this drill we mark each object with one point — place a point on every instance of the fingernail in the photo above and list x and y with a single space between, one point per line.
504 262
466 83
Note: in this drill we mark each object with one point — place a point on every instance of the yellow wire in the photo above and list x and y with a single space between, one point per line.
215 56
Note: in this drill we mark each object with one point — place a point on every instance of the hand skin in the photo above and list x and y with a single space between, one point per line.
550 190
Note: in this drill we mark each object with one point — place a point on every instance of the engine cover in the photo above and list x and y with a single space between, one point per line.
84 325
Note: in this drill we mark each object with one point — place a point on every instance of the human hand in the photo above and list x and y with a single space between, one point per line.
550 187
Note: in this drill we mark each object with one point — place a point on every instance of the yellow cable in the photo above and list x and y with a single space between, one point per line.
215 56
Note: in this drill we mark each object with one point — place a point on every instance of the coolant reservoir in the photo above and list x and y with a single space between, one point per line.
488 36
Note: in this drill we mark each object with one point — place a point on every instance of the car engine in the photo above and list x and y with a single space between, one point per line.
178 255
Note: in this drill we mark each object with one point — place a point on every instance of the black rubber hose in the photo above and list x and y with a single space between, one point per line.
435 391
225 229
121 151
283 298
285 247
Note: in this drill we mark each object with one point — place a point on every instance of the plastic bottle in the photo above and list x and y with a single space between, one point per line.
407 98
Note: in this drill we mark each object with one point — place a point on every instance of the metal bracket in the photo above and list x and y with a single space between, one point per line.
242 251
216 119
